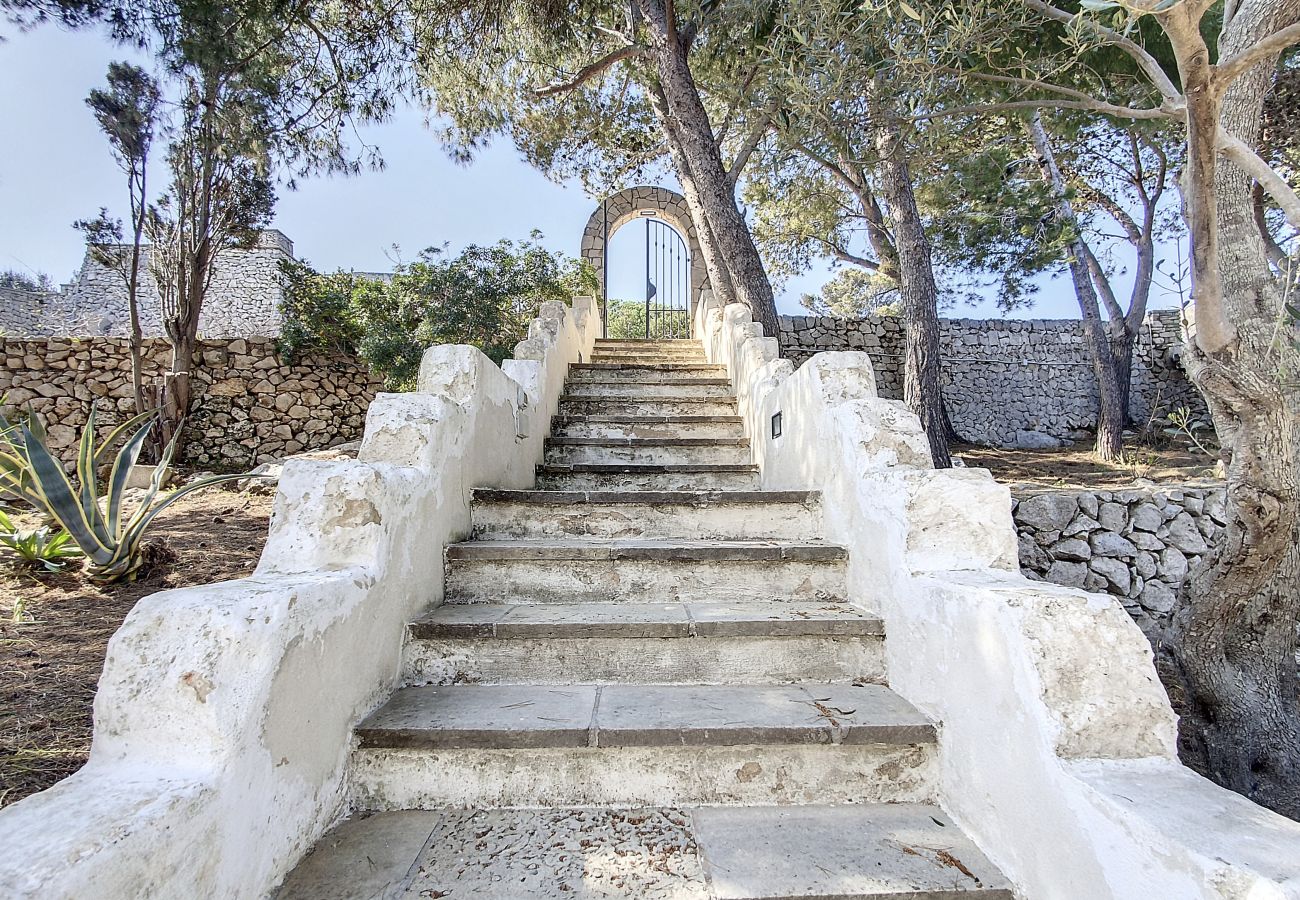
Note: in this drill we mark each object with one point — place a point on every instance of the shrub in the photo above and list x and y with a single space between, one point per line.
483 296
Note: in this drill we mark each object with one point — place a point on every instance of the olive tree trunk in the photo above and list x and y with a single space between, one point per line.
1111 406
1233 636
692 132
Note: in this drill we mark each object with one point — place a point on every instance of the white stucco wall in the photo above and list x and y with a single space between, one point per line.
1057 740
224 715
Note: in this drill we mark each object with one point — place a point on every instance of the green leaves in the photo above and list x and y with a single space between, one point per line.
41 548
484 296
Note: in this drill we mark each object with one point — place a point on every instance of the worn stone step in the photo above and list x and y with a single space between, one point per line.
648 643
647 342
647 451
666 388
537 745
600 354
648 426
629 477
578 407
705 369
643 570
725 515
638 360
896 851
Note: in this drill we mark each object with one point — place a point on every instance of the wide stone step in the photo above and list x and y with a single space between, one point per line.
645 372
647 451
668 343
602 745
724 515
643 571
579 407
627 477
638 360
648 354
648 643
665 388
897 851
648 426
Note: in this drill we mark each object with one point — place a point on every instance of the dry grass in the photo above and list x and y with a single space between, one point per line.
54 631
1078 467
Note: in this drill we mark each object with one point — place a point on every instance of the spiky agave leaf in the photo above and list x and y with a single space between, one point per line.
60 500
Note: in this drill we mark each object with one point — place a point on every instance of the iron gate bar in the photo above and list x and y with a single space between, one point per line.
666 292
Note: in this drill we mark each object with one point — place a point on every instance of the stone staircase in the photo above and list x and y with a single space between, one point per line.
646 681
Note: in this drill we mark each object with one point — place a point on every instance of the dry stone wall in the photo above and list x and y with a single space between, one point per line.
1136 544
243 300
1010 382
251 405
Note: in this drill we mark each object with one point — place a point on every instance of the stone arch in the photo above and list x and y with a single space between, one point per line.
633 203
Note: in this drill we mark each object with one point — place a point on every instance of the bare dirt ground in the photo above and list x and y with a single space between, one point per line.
1077 466
54 631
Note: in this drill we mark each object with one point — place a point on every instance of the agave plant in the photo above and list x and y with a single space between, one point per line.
37 547
94 519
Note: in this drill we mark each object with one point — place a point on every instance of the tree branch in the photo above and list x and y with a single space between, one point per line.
1145 60
747 148
1273 184
1109 109
1232 68
591 70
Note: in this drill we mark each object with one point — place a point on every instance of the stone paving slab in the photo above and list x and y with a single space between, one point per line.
673 498
666 550
646 620
733 715
581 854
624 620
898 851
365 858
471 716
646 442
788 619
501 717
848 852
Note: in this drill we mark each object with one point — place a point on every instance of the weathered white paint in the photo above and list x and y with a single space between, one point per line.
224 715
1057 742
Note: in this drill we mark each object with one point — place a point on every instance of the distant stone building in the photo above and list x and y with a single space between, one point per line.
243 300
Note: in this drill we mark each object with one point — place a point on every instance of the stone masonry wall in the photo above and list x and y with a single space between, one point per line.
1136 544
250 405
1010 382
243 300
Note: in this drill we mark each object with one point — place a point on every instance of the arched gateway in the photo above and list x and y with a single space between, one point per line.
643 202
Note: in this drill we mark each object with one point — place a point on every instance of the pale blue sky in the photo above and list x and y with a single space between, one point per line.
55 167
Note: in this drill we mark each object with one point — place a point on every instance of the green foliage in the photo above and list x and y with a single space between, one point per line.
855 293
483 296
38 548
625 319
93 515
21 281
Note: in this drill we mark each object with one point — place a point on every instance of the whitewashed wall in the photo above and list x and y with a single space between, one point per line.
1056 737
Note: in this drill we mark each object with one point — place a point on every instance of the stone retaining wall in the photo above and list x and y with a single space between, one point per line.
1010 382
242 301
250 405
1136 544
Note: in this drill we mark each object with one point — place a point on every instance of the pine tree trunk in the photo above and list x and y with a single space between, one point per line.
719 277
693 132
922 387
1233 636
1110 416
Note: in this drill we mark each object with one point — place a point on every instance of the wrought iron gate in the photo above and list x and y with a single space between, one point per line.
667 282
